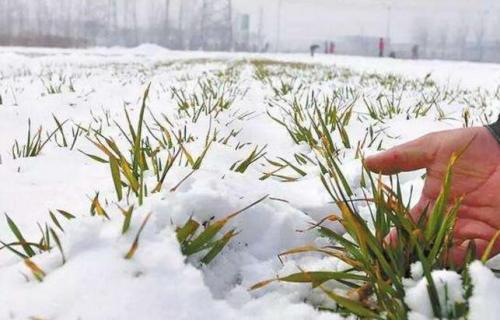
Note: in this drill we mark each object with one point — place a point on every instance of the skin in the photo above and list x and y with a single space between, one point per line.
476 178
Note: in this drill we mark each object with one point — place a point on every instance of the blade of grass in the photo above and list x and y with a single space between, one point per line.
131 252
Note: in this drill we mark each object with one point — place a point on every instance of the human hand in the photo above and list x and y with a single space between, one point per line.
476 178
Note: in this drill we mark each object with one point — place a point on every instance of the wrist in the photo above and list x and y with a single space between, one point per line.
494 129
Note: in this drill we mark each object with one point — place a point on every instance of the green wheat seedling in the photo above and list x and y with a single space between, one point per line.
207 241
212 96
37 272
24 249
128 168
287 86
135 245
63 140
377 269
393 92
242 165
55 85
192 161
51 88
266 69
385 106
35 142
282 164
317 119
280 76
50 237
261 72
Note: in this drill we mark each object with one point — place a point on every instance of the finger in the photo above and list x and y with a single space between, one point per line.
473 229
457 253
487 214
392 238
414 155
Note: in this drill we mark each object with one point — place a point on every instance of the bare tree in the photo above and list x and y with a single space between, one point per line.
230 24
133 13
443 39
462 33
421 35
166 23
4 23
206 24
112 27
480 33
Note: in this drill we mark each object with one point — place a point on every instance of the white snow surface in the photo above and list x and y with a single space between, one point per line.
96 282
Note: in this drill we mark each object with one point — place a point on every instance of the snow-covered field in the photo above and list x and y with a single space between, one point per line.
251 155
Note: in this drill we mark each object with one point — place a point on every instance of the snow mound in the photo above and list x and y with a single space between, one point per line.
149 49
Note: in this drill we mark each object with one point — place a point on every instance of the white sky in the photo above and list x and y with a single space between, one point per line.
306 21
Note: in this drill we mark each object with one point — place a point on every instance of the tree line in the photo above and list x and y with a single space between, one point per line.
176 24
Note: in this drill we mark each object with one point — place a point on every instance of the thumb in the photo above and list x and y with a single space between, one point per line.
413 155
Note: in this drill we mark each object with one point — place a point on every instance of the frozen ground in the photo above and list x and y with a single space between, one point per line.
91 88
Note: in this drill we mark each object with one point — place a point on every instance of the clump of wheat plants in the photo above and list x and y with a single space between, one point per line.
128 167
377 266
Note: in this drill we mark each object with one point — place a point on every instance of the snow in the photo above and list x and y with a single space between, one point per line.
449 287
149 49
96 282
484 302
